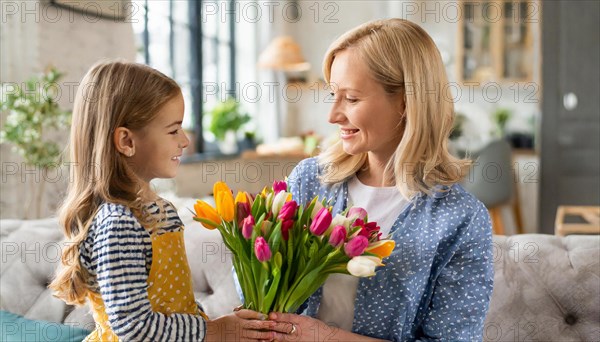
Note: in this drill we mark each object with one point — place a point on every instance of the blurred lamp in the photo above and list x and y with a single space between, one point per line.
283 54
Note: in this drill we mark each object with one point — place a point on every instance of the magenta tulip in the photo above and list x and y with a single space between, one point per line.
279 186
261 249
369 230
338 236
285 228
356 246
356 213
288 211
248 226
321 222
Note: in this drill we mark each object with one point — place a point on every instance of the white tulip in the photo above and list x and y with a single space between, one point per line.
340 220
363 266
278 202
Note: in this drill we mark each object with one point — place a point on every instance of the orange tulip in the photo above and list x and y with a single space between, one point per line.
382 248
206 211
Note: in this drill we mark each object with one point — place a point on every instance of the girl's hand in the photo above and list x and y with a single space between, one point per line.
243 325
304 328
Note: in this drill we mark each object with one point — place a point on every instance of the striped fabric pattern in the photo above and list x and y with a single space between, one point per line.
118 254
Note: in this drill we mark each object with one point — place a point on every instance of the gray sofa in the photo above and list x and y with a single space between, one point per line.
546 288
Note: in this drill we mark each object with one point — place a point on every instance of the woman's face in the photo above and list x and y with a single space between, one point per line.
368 117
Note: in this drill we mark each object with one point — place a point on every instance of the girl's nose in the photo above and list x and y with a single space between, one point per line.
186 141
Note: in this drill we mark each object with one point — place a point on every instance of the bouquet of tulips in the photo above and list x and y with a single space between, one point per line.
282 252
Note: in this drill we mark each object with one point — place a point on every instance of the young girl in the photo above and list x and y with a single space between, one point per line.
127 256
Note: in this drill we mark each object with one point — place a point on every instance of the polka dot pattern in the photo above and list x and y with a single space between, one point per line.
163 290
437 283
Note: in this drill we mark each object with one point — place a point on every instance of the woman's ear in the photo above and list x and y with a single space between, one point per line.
401 102
123 139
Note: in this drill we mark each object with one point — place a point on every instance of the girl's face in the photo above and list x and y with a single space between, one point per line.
368 117
159 145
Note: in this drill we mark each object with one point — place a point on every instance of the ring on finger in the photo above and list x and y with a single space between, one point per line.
293 329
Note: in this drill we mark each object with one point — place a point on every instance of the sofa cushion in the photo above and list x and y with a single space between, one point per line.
15 328
546 288
31 250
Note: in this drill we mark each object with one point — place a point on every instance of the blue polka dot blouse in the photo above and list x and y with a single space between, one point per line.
437 283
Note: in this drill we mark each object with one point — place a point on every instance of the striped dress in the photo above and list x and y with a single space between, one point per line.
118 254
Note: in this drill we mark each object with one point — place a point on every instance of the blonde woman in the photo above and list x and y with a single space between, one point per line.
127 257
387 79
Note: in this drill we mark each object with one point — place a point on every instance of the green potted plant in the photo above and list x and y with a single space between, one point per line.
30 114
226 119
501 117
457 126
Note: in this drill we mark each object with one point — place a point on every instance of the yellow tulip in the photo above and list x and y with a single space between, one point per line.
220 186
206 211
289 197
241 197
382 248
224 201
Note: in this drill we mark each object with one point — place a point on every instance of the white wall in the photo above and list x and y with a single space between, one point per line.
34 35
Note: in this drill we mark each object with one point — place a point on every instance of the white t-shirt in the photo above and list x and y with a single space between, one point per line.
383 204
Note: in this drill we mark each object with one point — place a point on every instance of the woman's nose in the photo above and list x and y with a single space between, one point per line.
335 114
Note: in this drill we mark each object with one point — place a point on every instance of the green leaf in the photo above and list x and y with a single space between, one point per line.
274 237
256 206
274 286
299 292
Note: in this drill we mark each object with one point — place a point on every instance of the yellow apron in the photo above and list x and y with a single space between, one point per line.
169 285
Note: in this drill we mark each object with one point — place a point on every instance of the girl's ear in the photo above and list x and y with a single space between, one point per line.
123 139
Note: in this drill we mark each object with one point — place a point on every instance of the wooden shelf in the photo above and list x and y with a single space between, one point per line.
590 214
496 47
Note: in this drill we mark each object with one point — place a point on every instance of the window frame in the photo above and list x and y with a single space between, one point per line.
196 74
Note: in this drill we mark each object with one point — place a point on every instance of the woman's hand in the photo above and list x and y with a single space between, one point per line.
243 325
304 328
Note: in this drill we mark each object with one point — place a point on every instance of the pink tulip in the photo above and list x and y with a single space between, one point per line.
356 246
356 213
288 211
248 226
321 222
338 236
285 228
316 208
261 249
279 186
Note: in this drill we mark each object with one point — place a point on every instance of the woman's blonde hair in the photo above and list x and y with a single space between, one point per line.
403 58
112 94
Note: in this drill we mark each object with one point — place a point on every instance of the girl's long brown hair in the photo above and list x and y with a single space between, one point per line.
112 94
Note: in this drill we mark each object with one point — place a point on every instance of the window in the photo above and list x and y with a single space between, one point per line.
195 49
